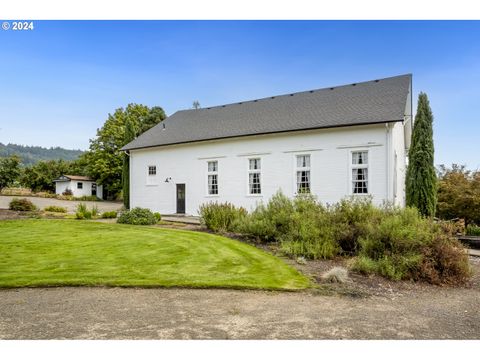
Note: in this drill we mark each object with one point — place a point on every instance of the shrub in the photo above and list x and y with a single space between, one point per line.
109 215
404 245
57 209
68 192
221 217
268 222
309 232
82 212
473 230
158 216
352 219
444 262
22 205
137 216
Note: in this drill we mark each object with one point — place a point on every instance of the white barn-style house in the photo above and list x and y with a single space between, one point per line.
335 142
79 185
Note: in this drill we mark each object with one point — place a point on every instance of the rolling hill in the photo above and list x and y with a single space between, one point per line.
33 154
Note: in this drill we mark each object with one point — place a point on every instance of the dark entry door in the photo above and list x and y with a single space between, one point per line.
94 189
180 198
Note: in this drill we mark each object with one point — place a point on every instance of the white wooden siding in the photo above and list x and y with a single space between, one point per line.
329 151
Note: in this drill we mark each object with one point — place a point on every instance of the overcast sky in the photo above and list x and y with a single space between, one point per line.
59 82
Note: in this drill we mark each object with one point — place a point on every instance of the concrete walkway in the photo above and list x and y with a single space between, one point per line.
473 252
71 205
193 220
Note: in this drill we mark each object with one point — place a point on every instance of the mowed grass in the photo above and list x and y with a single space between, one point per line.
68 252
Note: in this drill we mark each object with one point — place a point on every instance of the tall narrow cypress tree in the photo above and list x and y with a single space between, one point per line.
421 182
129 136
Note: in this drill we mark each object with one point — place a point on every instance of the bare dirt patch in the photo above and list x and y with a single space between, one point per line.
13 215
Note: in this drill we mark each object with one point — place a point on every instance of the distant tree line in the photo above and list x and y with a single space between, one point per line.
30 155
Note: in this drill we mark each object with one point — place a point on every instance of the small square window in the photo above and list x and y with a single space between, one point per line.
152 170
79 185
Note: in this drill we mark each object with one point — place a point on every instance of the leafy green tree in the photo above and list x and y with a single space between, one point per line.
129 136
421 182
39 177
9 170
105 160
458 194
154 116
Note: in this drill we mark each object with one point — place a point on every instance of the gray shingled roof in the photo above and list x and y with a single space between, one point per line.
368 102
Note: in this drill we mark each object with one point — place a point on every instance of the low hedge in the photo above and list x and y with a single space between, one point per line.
139 216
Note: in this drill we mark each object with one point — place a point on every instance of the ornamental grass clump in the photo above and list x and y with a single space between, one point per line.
82 212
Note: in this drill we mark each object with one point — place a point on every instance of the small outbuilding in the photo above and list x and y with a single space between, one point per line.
79 186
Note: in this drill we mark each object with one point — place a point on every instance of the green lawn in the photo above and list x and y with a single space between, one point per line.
69 252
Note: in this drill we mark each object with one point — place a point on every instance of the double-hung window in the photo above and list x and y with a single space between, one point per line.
254 176
212 178
360 172
303 174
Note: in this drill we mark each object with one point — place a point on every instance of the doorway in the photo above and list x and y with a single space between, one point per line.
180 198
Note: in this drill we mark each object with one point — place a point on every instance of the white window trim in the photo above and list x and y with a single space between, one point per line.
152 180
207 194
295 169
254 171
351 167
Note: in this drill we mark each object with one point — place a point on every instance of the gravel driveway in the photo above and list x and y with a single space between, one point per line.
121 313
70 205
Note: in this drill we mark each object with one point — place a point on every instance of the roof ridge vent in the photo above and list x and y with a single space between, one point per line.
311 91
255 100
332 88
354 84
273 97
377 80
